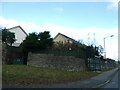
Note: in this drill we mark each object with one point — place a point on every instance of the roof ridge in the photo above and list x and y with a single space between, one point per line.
19 27
14 27
64 36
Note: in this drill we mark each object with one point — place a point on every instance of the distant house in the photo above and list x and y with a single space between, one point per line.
20 35
61 38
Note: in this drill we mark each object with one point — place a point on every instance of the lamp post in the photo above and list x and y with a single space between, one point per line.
104 45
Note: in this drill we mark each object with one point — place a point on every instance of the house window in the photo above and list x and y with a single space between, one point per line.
70 41
61 42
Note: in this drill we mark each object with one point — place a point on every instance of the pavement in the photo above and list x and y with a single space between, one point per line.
94 82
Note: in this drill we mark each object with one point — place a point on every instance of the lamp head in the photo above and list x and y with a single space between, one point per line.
111 35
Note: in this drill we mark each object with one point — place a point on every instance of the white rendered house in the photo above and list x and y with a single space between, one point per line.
20 35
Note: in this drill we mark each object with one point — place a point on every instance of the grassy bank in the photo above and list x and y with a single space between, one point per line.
31 74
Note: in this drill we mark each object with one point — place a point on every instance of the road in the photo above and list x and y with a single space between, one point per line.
115 82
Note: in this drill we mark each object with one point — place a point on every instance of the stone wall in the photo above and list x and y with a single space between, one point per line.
61 62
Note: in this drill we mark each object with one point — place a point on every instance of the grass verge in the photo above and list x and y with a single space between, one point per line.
38 75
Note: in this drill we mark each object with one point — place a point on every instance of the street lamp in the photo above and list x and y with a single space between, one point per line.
104 45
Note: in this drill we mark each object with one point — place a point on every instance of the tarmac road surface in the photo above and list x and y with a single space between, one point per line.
114 83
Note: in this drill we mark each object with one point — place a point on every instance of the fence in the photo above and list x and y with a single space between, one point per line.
100 64
11 55
79 53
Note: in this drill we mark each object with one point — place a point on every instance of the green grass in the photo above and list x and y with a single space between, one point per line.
0 73
39 75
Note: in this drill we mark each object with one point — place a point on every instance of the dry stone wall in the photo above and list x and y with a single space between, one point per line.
60 62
